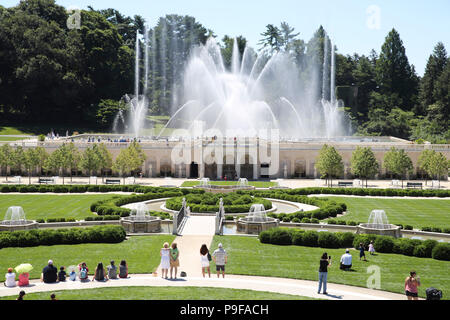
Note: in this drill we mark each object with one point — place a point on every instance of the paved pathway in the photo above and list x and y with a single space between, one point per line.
268 284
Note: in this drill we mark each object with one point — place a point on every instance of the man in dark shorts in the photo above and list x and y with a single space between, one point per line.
220 259
50 273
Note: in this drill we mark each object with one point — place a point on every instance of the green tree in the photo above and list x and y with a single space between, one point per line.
71 157
90 160
55 162
137 156
42 157
438 165
329 163
122 163
423 162
435 66
394 74
398 162
31 161
6 158
272 38
104 156
287 36
363 163
17 158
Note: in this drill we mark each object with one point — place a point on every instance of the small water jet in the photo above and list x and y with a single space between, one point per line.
378 224
256 221
140 220
15 219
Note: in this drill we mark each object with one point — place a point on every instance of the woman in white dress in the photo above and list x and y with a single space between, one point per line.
204 259
165 260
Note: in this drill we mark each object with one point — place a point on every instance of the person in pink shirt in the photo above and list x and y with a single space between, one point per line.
24 279
411 284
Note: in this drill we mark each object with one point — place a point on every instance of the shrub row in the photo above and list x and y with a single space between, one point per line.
90 188
384 244
38 237
52 220
372 192
102 218
284 236
436 229
409 247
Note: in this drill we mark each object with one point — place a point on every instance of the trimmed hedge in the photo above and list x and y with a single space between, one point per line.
38 237
383 244
90 188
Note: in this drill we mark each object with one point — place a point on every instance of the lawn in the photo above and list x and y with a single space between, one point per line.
415 212
141 254
247 256
160 293
45 206
12 138
257 184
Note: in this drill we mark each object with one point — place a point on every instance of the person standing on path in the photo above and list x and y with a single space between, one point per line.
165 260
411 284
325 262
220 259
174 261
205 258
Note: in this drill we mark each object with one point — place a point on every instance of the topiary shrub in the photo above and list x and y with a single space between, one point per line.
352 223
384 244
436 229
327 240
310 238
345 239
280 237
306 220
297 237
296 220
264 236
446 230
428 229
314 220
331 221
341 222
420 251
408 227
441 251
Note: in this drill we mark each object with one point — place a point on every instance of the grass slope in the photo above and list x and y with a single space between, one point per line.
247 256
141 253
52 206
160 293
415 212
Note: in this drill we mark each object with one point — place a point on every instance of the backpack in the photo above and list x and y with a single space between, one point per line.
433 294
83 273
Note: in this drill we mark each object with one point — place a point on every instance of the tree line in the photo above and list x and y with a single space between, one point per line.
363 164
67 158
48 71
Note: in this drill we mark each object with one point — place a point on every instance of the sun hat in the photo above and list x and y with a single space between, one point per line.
220 245
50 261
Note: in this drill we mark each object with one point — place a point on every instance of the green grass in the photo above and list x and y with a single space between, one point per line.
51 206
257 184
5 130
12 138
141 254
415 212
160 293
247 256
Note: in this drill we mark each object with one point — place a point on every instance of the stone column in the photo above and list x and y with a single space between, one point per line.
219 171
188 170
292 171
201 169
158 166
255 171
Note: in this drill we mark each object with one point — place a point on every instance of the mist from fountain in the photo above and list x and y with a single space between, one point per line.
14 216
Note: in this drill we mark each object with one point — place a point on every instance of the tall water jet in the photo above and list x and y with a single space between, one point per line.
333 74
146 61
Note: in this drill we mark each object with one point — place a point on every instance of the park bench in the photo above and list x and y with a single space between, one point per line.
112 181
46 180
414 185
345 184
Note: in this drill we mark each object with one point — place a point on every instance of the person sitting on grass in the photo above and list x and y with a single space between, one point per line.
24 279
49 273
346 260
62 274
112 270
84 272
10 278
72 274
123 269
100 273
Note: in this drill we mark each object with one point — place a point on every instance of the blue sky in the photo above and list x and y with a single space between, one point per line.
354 25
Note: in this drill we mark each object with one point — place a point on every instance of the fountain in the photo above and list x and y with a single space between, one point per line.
15 220
378 224
243 183
256 221
140 220
269 88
